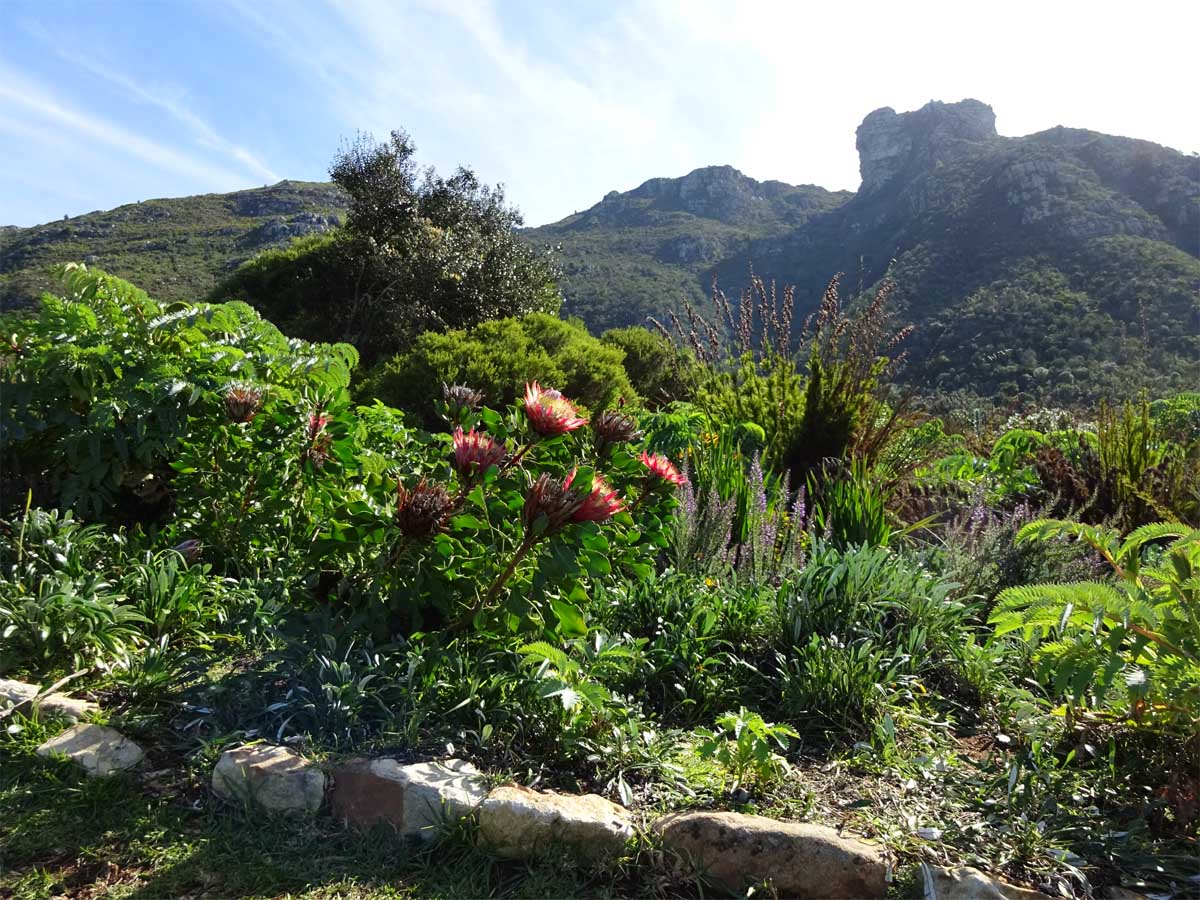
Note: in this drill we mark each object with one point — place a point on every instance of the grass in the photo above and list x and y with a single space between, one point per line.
129 837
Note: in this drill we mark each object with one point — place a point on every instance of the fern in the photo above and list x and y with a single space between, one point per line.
1095 637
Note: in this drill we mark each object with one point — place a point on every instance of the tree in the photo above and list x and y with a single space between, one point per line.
418 253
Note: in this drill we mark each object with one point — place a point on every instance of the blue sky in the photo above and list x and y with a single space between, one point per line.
107 102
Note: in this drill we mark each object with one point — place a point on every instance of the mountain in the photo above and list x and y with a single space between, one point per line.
641 252
1062 265
176 249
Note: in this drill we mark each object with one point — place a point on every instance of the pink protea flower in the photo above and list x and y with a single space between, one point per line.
476 452
662 468
315 424
552 498
549 412
600 505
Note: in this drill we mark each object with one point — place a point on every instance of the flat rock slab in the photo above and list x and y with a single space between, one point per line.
274 778
417 799
18 693
100 750
812 862
517 822
965 883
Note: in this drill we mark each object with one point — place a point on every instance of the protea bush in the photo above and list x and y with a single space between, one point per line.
508 521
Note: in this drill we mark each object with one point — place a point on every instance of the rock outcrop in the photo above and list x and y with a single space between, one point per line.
518 823
417 799
24 697
889 142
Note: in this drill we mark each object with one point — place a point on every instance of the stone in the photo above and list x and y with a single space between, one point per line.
417 799
516 822
277 779
1116 892
736 852
965 883
100 750
18 693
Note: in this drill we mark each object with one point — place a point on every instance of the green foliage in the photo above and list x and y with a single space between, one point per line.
497 358
745 745
77 596
416 254
660 372
1137 640
857 627
849 507
100 387
176 249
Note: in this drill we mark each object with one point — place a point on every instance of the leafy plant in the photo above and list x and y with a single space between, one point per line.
746 745
1138 639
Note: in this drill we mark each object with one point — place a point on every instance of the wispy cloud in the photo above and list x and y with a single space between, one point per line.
170 101
44 114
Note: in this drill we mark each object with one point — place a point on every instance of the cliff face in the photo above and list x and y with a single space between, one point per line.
891 143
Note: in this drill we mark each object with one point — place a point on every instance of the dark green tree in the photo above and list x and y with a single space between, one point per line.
418 253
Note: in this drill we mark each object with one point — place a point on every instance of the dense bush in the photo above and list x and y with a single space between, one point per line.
496 358
417 253
101 385
658 370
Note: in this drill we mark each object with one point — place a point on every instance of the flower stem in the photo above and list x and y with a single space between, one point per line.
486 599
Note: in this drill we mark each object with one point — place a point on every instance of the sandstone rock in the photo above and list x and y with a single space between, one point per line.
965 883
736 851
100 750
888 143
517 822
417 799
274 778
17 693
1115 892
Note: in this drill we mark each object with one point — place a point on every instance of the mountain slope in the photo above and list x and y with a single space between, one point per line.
647 250
175 249
1062 265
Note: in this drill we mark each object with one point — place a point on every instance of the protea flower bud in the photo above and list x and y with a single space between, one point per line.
600 505
549 412
320 441
662 468
613 427
460 399
242 402
422 512
552 498
476 452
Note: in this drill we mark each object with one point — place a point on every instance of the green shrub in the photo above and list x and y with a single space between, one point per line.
658 370
101 385
498 357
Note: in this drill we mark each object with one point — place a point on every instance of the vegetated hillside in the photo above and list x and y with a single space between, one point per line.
177 249
1060 266
647 250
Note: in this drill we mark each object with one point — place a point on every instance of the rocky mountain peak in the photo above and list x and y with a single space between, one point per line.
889 142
